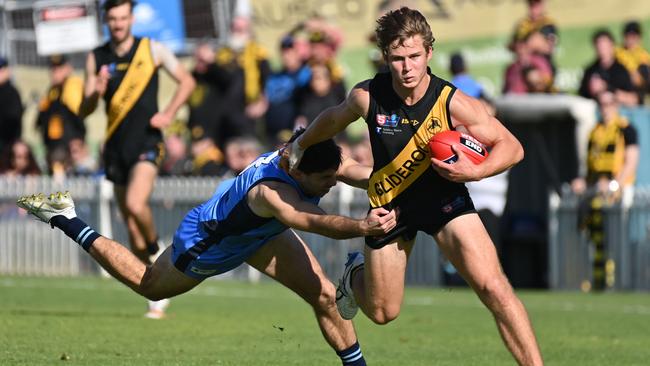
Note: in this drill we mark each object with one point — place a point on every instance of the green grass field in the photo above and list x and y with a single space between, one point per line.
92 321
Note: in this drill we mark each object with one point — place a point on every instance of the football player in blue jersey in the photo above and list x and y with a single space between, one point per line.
248 219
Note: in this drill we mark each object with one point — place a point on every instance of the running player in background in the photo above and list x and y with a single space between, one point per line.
246 220
403 109
124 71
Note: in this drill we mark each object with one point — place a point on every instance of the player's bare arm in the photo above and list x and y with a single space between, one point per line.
165 58
279 200
353 173
332 121
469 114
94 86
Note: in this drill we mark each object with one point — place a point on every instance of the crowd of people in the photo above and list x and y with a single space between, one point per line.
239 97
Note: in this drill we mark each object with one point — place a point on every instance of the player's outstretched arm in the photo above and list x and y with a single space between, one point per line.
280 200
470 114
331 121
353 173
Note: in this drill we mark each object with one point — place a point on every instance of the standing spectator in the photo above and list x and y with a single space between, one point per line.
124 71
58 117
463 80
612 160
323 52
205 104
515 80
11 108
247 63
82 161
607 74
283 89
320 95
635 58
539 31
18 159
240 152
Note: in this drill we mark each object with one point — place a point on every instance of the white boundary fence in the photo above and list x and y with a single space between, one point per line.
627 243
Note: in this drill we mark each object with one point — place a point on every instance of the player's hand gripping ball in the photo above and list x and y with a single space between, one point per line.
440 147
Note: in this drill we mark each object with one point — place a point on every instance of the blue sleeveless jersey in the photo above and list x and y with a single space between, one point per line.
223 232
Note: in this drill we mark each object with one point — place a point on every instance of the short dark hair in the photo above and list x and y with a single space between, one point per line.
110 4
632 27
602 33
318 157
401 24
456 63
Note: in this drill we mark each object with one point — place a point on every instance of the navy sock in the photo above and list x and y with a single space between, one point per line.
352 356
76 229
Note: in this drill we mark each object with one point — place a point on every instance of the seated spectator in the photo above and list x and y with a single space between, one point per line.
17 159
240 152
515 76
635 58
11 108
539 31
321 94
283 89
607 74
58 117
207 159
81 160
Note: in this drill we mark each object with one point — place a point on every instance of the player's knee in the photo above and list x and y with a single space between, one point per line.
384 314
136 208
495 291
325 300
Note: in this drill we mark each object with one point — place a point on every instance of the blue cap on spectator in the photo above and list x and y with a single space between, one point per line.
286 42
3 62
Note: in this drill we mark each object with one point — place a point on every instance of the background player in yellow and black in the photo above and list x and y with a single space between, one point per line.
124 71
403 109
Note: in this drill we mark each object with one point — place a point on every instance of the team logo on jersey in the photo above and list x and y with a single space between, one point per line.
457 203
381 119
392 121
434 125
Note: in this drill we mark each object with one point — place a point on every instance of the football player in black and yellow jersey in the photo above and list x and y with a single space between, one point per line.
124 71
403 108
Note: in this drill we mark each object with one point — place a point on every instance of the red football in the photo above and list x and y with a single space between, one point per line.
440 147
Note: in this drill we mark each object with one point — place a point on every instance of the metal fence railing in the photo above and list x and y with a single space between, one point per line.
28 247
626 235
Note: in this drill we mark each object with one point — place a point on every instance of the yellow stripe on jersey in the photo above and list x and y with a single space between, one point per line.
138 75
388 182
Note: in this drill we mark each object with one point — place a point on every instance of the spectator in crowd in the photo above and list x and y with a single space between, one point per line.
607 74
81 160
177 160
207 158
246 61
635 58
240 152
515 80
58 117
207 106
323 52
612 160
11 108
539 31
321 94
283 89
18 159
463 80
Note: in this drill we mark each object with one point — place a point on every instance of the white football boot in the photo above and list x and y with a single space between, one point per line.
345 301
44 208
